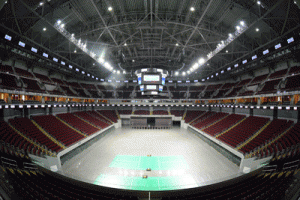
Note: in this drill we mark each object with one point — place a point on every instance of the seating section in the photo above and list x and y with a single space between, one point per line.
160 112
211 119
43 78
177 113
234 92
68 91
278 74
125 112
142 112
110 114
243 131
98 116
11 137
8 82
6 68
192 114
31 85
275 128
293 83
58 129
281 146
25 126
107 94
93 120
78 123
224 124
269 87
243 82
22 72
258 79
294 70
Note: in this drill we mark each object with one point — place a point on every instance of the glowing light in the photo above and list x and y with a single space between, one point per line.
176 73
44 29
257 29
192 9
242 23
110 8
201 61
238 28
59 22
258 2
177 44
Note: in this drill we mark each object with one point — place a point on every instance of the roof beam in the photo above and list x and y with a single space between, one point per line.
198 23
104 23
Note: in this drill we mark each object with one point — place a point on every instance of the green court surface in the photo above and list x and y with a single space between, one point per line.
149 184
153 162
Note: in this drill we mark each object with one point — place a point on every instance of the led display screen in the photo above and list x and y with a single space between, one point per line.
151 78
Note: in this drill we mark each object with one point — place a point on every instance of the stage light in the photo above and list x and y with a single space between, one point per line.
226 51
242 23
44 29
62 25
258 2
238 28
133 60
118 72
41 3
110 8
75 51
236 65
230 35
124 72
176 73
183 73
177 44
257 29
192 9
201 61
125 44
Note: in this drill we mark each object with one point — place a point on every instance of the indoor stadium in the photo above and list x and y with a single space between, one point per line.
150 99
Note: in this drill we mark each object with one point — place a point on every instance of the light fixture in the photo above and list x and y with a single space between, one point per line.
257 29
125 44
124 72
75 51
242 23
183 73
258 2
44 29
201 61
230 35
93 63
114 71
177 44
110 8
41 3
118 72
133 60
226 51
59 22
192 9
62 25
176 73
238 28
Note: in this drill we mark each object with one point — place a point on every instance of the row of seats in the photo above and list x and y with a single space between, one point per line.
243 131
78 123
9 136
211 119
203 117
192 114
160 112
25 126
110 114
99 116
177 113
58 129
224 124
93 120
275 128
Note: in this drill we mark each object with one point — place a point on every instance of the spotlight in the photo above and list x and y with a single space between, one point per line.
176 73
192 9
238 28
44 29
230 35
118 72
72 35
201 61
93 63
75 51
110 8
242 23
124 72
226 51
125 44
41 3
133 60
62 25
59 22
177 44
257 29
258 2
183 73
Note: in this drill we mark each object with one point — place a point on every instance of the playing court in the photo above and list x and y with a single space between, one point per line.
175 159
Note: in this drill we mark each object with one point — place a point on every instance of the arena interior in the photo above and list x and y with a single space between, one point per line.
150 99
